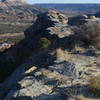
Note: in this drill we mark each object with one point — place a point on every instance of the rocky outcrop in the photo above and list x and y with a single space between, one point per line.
52 22
51 25
52 73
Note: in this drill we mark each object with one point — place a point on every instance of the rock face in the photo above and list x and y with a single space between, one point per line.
57 17
52 28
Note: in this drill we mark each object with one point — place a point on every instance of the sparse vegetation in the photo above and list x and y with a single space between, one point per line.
7 27
11 38
44 43
94 85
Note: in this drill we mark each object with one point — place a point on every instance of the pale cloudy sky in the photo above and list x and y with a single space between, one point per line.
63 1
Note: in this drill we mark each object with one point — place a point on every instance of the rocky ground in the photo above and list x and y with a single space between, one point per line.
65 78
57 72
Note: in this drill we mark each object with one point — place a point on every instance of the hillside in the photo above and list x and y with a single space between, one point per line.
16 10
16 15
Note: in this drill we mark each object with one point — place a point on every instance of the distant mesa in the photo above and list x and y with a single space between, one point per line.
13 2
18 10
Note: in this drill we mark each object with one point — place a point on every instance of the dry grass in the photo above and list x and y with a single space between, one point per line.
94 85
84 98
59 53
11 38
62 55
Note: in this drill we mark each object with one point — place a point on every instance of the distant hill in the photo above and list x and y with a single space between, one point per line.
16 15
14 2
73 8
16 10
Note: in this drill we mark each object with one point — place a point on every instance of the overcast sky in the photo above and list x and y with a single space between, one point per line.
63 1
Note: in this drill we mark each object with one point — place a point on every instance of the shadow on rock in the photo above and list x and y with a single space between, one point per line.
22 98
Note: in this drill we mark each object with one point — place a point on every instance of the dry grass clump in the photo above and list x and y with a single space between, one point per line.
94 85
84 98
62 55
59 53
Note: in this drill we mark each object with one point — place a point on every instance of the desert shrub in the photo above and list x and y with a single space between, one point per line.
94 85
44 43
89 34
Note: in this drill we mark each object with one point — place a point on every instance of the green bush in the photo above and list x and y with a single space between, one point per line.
94 85
44 43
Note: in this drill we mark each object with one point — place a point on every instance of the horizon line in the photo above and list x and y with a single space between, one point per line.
66 3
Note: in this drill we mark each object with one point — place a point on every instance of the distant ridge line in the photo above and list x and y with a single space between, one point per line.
68 3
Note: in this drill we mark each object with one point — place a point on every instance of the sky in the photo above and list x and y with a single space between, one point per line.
63 1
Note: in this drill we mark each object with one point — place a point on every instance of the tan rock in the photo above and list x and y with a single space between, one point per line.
57 17
26 82
31 70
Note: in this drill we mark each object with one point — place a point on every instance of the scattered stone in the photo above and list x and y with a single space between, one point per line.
30 70
4 46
